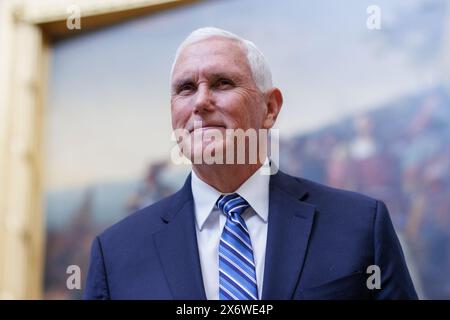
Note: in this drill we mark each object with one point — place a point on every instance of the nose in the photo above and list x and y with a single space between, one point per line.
203 99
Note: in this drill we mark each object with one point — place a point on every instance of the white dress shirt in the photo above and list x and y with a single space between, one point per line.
210 222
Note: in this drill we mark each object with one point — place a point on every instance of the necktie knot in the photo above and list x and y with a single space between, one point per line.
232 204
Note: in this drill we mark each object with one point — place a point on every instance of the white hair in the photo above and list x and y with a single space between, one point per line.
259 67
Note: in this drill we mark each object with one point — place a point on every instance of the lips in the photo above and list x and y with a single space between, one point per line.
207 127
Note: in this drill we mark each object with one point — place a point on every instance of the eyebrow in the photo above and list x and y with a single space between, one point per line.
181 81
214 76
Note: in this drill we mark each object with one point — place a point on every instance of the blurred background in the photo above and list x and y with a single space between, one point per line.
85 123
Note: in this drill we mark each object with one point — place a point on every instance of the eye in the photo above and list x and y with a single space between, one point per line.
186 88
224 83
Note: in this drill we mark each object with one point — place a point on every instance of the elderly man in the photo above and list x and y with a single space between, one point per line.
233 232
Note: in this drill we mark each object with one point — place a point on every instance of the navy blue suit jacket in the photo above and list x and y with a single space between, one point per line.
320 242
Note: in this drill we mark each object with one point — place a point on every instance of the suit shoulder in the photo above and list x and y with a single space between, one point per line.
345 208
337 194
318 193
147 220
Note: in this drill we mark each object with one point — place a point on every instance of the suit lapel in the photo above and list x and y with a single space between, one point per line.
290 222
177 246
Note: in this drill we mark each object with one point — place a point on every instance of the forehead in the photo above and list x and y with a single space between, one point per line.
212 55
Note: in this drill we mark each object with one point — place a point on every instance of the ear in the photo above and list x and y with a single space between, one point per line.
274 101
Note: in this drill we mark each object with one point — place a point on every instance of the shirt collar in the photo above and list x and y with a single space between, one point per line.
255 190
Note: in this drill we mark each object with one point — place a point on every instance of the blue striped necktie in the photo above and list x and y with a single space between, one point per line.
237 276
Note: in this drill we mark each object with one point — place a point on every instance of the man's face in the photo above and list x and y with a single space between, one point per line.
212 83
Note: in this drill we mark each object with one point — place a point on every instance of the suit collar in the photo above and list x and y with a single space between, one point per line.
290 224
178 200
177 248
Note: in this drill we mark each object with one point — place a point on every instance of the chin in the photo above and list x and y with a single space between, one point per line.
207 151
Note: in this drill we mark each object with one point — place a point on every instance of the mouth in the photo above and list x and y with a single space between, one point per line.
207 127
